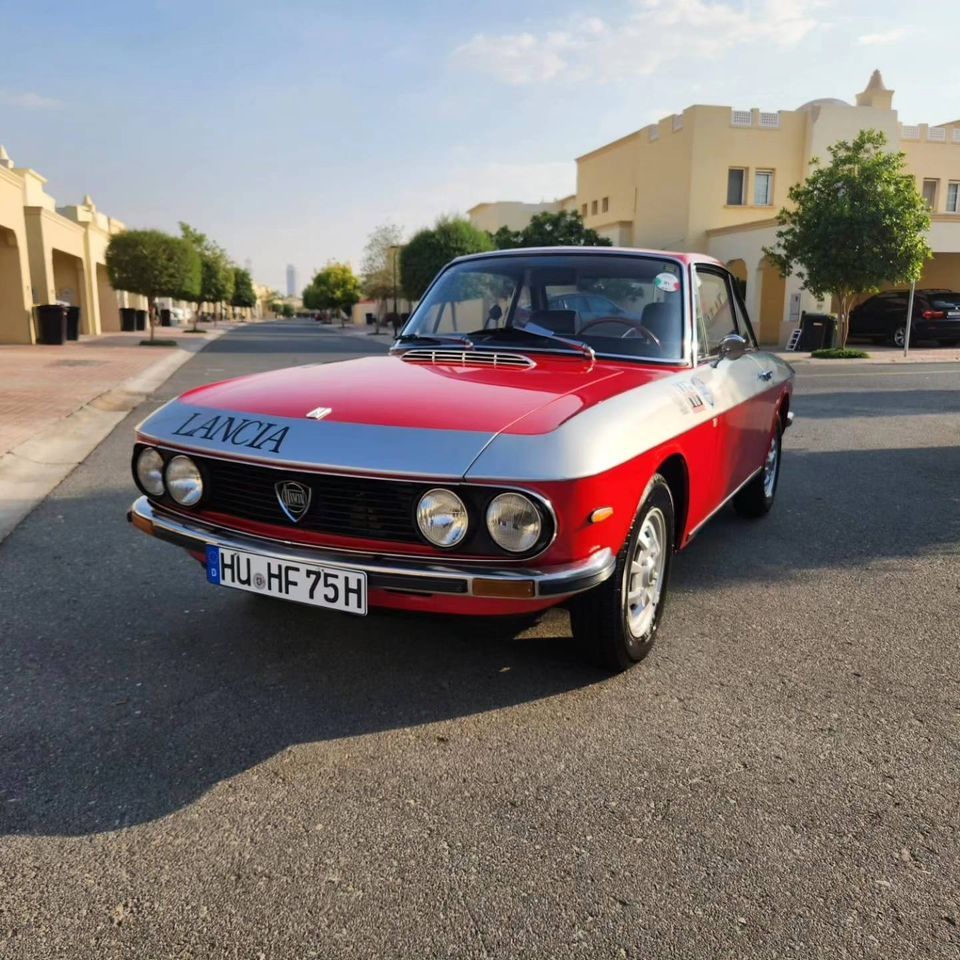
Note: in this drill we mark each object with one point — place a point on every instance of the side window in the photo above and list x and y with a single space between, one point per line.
715 315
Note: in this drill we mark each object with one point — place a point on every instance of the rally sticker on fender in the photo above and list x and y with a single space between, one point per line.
331 587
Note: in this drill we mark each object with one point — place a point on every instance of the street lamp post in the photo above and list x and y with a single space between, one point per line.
906 329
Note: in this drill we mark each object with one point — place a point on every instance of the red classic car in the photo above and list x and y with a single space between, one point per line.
549 427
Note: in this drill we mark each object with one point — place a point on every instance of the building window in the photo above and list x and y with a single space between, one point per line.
953 197
583 210
736 181
605 204
593 207
763 188
930 188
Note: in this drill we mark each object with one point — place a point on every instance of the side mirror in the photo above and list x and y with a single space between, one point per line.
732 347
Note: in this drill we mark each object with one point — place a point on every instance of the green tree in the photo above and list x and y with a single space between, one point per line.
153 264
335 287
216 270
380 270
243 293
854 224
562 229
428 251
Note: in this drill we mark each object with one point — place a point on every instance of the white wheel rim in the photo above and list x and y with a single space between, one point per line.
899 336
770 466
643 578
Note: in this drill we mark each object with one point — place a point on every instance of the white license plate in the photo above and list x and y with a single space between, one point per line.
330 587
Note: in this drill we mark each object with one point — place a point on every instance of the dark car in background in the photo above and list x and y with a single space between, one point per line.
936 316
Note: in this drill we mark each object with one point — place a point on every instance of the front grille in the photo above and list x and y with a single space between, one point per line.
348 506
467 358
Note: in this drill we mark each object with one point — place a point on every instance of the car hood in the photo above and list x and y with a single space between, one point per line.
385 414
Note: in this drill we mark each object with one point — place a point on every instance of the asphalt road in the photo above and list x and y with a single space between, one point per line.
190 772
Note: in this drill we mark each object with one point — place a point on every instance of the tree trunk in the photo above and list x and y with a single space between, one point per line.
152 315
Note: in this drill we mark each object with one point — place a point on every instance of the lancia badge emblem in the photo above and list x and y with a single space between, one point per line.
318 413
294 499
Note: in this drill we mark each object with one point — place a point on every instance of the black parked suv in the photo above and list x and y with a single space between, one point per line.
936 316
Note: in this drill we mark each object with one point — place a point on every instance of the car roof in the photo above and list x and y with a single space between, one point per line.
686 258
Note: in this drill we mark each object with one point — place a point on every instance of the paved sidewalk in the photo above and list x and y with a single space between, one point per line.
58 402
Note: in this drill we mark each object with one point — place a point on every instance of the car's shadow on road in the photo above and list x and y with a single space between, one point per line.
128 702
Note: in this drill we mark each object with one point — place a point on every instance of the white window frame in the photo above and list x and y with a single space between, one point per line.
955 186
936 191
763 173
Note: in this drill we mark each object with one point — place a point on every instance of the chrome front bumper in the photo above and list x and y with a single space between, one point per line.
421 576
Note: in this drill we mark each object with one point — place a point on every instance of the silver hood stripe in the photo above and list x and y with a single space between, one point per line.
316 445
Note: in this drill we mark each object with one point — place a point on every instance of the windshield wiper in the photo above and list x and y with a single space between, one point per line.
436 338
539 333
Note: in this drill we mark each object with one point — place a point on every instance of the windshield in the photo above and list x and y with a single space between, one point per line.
619 305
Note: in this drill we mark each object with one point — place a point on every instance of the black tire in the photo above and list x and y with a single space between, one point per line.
756 498
898 335
600 617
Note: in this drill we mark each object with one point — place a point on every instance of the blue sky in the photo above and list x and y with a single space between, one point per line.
289 130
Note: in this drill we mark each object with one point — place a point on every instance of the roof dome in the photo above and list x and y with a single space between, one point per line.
824 102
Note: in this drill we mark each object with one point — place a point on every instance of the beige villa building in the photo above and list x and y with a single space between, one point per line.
49 254
711 179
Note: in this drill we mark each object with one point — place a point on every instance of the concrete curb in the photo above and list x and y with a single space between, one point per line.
31 471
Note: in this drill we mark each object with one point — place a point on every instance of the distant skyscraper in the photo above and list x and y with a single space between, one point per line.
292 290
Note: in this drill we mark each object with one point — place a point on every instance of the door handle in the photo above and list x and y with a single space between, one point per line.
766 375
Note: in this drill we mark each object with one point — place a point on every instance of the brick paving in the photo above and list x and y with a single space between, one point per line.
40 384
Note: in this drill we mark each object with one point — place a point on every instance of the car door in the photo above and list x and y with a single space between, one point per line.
736 388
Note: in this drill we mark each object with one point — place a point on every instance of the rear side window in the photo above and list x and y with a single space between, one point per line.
714 311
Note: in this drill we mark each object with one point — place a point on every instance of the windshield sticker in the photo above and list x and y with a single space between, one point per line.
666 282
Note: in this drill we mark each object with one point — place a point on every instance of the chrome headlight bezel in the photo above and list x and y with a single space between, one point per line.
431 505
185 487
514 502
152 486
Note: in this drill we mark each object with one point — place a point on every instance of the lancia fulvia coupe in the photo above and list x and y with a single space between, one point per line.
550 427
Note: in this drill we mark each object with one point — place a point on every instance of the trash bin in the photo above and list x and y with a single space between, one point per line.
165 320
128 319
73 323
51 323
817 331
141 319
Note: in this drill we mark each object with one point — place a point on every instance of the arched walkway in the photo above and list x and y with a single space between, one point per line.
773 302
14 318
739 270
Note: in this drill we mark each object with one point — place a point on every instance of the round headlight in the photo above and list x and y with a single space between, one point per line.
442 517
150 471
184 482
514 522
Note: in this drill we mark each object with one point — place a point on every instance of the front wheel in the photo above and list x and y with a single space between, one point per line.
899 336
756 498
616 622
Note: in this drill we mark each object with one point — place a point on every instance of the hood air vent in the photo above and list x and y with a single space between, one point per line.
467 358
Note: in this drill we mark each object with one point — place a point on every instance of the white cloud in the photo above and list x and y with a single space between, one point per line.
885 37
653 32
27 100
